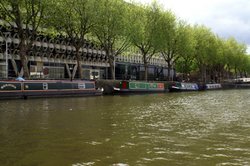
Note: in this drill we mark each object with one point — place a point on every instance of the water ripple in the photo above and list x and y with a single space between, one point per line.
201 128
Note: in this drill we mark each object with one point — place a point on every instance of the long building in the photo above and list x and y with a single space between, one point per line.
54 58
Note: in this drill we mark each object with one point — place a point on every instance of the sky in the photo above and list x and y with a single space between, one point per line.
227 18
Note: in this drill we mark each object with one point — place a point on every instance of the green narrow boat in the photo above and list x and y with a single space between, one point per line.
139 87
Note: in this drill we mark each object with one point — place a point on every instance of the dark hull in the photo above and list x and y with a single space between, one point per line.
134 87
137 91
242 86
174 90
181 90
39 89
183 87
213 86
201 87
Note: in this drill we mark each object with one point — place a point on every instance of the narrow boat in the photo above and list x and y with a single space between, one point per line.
131 87
242 83
182 86
47 88
242 80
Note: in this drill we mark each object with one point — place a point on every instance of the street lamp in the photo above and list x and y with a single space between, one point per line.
6 34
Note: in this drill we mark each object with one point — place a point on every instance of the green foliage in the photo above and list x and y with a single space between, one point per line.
186 49
177 41
116 25
235 55
73 19
110 24
110 30
26 16
144 32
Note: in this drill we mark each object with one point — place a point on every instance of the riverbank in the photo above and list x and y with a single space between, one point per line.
60 88
108 85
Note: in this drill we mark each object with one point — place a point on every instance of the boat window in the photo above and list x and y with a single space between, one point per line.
45 86
81 86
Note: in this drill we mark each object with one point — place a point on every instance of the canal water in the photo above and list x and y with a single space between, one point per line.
198 128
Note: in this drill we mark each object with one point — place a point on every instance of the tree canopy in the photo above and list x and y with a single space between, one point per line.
144 31
110 28
74 19
26 16
115 25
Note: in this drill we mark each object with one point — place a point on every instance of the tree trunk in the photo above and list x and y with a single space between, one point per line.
210 74
112 70
203 73
145 66
79 63
169 73
235 70
169 70
111 64
146 71
24 60
228 72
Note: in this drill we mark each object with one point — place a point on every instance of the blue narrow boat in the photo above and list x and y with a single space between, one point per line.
47 88
182 86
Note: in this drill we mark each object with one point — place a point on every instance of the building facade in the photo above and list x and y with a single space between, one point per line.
55 58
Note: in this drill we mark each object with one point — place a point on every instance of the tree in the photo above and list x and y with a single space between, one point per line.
247 66
186 49
218 60
26 17
110 28
242 68
235 52
143 32
177 41
204 49
74 19
167 32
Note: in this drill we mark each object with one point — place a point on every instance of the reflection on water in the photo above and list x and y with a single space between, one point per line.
201 128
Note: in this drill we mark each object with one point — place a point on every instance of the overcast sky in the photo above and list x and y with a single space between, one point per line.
225 17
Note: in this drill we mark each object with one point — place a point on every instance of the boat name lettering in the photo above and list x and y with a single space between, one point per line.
8 85
81 85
